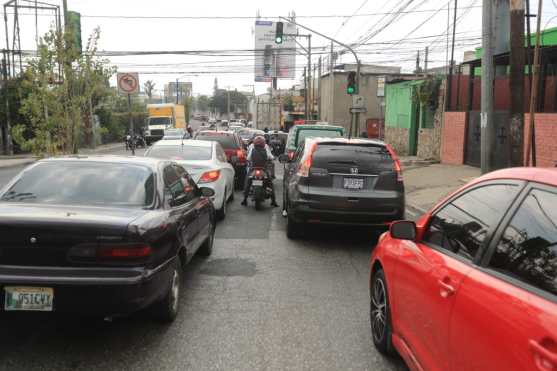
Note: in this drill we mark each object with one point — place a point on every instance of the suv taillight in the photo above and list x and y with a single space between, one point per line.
396 163
305 165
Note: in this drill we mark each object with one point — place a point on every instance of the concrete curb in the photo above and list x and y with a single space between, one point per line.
20 162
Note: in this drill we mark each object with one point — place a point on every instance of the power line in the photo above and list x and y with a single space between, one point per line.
169 17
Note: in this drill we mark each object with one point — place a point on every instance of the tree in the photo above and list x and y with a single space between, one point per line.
220 101
202 103
149 86
60 108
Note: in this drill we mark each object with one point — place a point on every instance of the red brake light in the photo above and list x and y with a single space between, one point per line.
124 252
290 155
306 162
257 172
209 176
396 161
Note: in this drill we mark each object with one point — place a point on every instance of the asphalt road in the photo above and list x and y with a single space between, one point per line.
259 302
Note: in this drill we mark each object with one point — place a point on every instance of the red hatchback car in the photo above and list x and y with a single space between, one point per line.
472 285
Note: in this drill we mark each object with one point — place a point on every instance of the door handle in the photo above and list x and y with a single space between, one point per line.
545 359
446 289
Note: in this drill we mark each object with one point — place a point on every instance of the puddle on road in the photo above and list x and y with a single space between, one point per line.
230 267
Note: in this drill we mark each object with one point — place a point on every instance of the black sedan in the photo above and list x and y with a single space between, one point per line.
100 235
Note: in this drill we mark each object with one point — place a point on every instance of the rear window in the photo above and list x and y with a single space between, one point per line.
226 141
84 183
193 153
369 159
317 133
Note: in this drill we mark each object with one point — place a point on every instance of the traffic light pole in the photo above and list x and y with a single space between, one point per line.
356 115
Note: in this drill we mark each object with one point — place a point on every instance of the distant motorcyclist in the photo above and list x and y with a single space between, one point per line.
259 154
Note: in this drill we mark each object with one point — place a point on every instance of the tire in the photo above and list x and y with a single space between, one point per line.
167 309
207 248
221 213
292 227
231 196
258 197
380 315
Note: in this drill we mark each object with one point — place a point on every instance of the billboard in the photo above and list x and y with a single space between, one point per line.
271 59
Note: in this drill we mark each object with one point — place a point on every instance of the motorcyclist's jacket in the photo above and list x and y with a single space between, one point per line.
267 153
259 157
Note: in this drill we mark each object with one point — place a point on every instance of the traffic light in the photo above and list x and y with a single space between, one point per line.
279 33
351 83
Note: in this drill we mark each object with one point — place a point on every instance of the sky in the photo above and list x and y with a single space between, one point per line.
172 25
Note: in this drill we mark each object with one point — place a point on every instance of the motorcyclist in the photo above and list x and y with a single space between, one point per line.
259 154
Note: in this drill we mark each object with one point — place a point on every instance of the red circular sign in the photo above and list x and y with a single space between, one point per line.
128 82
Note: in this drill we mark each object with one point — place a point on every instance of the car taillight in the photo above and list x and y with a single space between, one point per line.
241 155
303 171
124 252
209 176
110 251
290 155
396 163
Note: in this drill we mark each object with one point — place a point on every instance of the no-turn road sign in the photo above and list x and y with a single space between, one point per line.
128 83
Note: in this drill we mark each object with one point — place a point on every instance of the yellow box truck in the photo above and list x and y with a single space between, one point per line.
161 117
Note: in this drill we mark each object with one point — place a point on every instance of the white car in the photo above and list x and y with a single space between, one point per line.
205 162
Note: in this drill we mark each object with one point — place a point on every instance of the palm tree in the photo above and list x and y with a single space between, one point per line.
149 86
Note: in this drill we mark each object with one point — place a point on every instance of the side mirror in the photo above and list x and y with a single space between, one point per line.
207 192
403 230
283 159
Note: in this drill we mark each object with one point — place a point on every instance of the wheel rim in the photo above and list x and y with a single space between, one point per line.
378 310
175 291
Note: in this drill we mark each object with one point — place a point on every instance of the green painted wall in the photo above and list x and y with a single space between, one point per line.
548 38
399 108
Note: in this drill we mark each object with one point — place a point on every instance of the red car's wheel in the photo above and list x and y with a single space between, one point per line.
380 316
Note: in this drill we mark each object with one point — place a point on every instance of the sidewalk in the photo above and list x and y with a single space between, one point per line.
426 185
21 160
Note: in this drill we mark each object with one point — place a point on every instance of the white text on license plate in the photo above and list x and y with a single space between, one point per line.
28 299
257 182
353 183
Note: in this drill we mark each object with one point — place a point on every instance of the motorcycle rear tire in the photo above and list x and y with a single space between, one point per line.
258 197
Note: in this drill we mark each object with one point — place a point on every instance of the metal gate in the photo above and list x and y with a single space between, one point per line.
501 151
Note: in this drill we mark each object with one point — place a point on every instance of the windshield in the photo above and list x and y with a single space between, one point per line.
179 152
84 183
174 132
226 141
159 121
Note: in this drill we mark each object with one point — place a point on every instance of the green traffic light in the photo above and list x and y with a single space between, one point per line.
350 90
278 40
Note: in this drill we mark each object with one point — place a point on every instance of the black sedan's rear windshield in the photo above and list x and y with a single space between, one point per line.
226 141
84 183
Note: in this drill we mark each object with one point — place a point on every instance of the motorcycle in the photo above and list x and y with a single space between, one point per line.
139 141
261 186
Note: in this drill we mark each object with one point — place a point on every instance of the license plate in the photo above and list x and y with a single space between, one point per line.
353 183
257 182
28 299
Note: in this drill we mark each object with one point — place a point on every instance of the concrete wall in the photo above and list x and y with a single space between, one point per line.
335 105
398 139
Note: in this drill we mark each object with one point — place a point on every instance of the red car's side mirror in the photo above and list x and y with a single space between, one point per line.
403 230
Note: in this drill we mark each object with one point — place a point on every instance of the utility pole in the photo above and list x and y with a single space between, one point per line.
425 59
177 99
309 112
487 88
535 82
6 136
319 89
529 56
228 103
306 93
332 85
451 61
417 63
516 83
